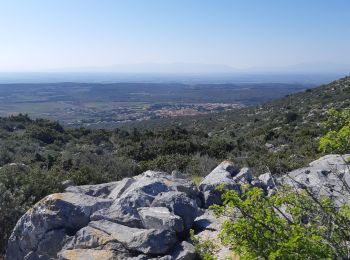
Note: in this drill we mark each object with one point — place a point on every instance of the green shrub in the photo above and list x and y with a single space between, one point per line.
337 139
287 225
291 117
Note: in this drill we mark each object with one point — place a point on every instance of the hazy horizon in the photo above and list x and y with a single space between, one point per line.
312 79
175 37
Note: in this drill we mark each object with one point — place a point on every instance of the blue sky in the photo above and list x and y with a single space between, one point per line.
39 35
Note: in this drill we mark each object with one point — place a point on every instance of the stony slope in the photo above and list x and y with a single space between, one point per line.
149 216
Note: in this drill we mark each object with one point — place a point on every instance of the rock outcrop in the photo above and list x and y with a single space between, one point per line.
44 228
329 175
222 175
160 217
226 176
144 217
149 216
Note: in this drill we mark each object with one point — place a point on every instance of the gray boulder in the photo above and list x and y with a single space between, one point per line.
174 182
89 237
207 221
51 243
135 218
124 210
329 175
184 251
179 204
120 187
258 183
147 241
267 180
160 218
131 194
42 228
222 175
245 176
186 186
203 222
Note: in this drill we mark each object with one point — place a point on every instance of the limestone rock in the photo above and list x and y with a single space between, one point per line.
139 192
120 187
148 216
186 186
221 175
147 241
51 243
124 210
329 175
160 218
62 212
245 176
207 220
267 180
179 204
89 237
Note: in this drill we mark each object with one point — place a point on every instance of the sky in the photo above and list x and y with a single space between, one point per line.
44 35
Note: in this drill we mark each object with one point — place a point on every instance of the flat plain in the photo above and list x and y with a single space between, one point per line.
108 105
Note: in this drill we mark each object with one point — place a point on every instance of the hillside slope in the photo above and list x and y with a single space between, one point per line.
37 155
282 134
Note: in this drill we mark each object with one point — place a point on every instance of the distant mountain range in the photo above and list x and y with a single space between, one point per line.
182 68
305 68
178 67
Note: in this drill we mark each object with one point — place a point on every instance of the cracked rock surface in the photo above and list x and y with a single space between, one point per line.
149 216
144 217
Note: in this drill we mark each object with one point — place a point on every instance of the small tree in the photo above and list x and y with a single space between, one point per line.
287 225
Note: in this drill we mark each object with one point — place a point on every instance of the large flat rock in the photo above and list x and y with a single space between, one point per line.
148 241
329 175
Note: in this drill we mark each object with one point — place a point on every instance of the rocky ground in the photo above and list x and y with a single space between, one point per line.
149 216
